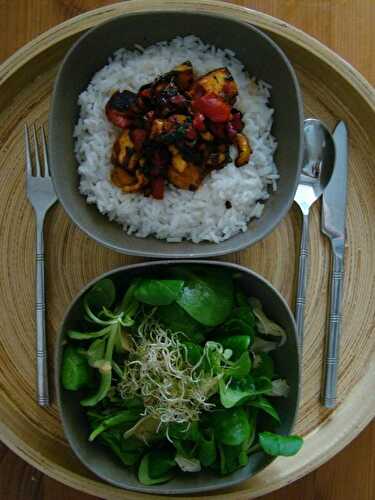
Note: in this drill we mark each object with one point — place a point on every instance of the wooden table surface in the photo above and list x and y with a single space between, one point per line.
346 26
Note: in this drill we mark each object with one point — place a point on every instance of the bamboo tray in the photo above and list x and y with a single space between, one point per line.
332 90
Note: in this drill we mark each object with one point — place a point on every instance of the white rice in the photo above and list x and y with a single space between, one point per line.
195 216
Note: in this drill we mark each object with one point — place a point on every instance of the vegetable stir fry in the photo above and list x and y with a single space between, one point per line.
175 373
176 129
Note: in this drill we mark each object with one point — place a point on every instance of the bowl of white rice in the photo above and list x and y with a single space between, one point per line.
233 207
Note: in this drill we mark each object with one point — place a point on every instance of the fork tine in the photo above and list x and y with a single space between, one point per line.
29 169
45 153
37 162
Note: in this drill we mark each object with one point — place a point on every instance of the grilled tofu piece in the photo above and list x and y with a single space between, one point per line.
178 119
190 178
207 136
168 92
127 182
133 162
184 75
178 162
243 149
217 156
159 127
219 82
123 149
121 177
141 182
169 130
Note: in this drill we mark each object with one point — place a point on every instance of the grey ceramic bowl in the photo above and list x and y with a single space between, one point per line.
262 58
101 461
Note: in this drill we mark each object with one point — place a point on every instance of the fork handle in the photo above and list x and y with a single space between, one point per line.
302 279
41 343
334 333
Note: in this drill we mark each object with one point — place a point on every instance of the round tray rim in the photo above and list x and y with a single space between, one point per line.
86 20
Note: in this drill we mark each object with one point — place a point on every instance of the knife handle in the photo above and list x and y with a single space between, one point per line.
302 279
334 333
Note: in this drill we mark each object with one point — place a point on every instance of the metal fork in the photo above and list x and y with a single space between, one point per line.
42 196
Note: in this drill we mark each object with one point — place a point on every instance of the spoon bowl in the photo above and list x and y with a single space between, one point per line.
319 159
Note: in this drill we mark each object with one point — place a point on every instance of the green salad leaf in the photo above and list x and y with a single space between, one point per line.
207 296
129 451
156 467
118 418
75 371
238 344
207 451
194 352
96 351
230 458
241 321
231 427
236 392
128 299
263 404
177 319
184 431
265 325
102 294
188 464
73 334
105 370
263 366
158 292
275 444
240 368
145 429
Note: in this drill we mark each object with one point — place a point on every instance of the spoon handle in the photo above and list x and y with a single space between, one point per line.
302 279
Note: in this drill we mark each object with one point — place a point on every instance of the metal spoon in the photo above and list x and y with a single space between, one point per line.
319 158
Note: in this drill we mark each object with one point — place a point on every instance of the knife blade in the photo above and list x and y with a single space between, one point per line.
334 195
333 225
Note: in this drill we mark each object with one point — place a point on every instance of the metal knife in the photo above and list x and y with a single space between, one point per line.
333 225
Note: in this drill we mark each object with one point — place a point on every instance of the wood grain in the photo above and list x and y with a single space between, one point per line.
339 24
348 476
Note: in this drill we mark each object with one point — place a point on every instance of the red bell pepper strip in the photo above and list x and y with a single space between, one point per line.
117 118
213 107
157 188
198 122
